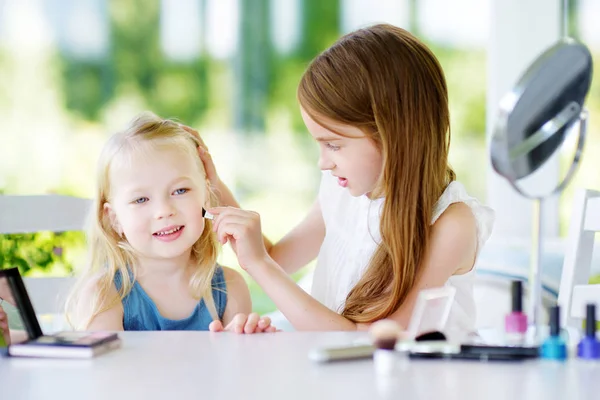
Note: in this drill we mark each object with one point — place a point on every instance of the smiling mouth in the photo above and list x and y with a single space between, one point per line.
168 232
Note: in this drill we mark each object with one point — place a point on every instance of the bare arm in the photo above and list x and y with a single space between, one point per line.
237 316
301 245
238 296
452 250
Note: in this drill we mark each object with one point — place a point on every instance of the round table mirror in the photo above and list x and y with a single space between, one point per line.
535 118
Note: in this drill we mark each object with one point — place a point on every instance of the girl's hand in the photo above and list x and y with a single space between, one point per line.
4 331
243 323
242 230
209 165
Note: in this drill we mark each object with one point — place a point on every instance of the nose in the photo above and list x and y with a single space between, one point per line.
325 163
164 209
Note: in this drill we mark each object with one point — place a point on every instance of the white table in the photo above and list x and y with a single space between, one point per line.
201 365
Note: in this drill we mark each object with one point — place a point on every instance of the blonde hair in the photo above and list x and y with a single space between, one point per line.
109 253
386 82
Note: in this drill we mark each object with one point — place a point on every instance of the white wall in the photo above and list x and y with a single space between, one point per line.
513 44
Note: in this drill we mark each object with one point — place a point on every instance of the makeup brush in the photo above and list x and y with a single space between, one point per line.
384 334
207 215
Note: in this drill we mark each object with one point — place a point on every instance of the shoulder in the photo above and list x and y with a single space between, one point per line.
95 284
454 237
483 216
232 277
109 313
457 217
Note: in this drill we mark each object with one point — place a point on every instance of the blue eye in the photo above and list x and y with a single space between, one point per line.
181 191
141 200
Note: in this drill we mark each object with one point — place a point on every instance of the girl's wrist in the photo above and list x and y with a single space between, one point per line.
264 266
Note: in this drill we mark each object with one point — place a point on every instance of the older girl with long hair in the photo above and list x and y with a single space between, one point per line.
390 218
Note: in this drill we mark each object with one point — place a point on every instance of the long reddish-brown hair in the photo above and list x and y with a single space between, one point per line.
386 82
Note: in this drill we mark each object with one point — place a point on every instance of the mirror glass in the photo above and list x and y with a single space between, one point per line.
543 107
8 302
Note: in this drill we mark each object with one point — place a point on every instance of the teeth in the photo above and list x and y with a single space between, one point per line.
168 232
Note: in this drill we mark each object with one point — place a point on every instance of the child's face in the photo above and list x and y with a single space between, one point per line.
157 203
353 158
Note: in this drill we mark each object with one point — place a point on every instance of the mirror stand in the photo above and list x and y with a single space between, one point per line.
535 267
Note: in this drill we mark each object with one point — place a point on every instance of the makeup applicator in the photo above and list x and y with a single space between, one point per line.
207 215
384 335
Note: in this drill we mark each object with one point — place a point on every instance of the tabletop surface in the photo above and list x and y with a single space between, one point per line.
203 365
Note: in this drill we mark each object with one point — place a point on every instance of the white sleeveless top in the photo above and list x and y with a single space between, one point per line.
352 235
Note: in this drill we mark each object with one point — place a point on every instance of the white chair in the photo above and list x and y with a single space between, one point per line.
575 292
55 213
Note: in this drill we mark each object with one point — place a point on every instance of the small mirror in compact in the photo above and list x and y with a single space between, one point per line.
431 311
18 333
22 324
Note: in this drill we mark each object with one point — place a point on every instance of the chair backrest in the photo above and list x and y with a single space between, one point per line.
55 213
575 292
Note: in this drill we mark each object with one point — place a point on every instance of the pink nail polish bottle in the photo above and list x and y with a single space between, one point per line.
515 323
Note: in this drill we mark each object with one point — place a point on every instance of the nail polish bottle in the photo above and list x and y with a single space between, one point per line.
554 347
589 347
515 323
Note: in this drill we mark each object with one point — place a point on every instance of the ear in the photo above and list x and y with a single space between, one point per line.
112 217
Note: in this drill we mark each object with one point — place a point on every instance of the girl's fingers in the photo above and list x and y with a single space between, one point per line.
232 211
194 133
233 218
237 323
216 326
209 165
231 230
251 323
264 323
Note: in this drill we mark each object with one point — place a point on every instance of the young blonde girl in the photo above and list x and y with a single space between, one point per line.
152 254
390 218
